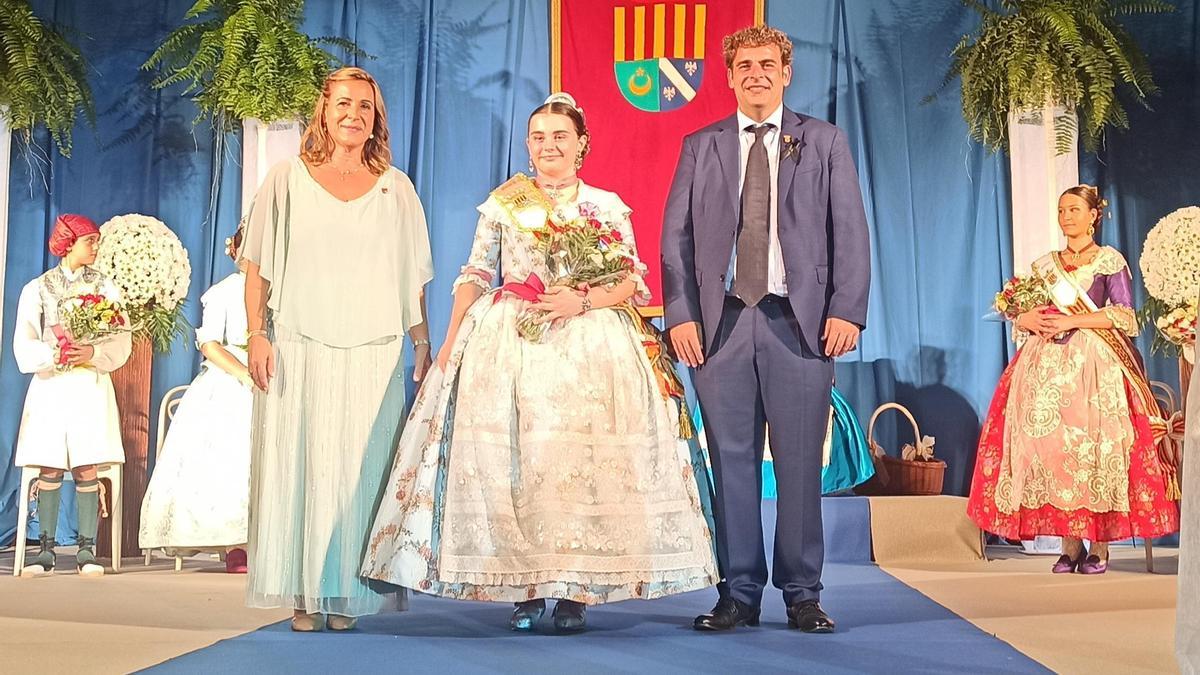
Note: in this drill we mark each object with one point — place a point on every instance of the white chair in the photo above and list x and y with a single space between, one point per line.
166 413
112 472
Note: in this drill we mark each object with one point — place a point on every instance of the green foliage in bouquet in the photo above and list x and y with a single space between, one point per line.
43 77
1148 317
246 59
158 324
1072 53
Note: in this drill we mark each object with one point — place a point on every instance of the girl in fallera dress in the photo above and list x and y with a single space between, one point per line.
70 420
200 489
1068 447
545 469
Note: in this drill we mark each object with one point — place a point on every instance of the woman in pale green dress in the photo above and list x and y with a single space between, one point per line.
336 255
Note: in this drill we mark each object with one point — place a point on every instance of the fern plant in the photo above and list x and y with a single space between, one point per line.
1070 53
43 77
246 59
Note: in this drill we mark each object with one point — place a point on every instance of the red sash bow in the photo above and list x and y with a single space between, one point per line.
528 290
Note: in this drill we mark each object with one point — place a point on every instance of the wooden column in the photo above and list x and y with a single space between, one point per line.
132 384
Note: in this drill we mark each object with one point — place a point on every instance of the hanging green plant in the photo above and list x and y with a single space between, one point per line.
246 59
43 77
1069 53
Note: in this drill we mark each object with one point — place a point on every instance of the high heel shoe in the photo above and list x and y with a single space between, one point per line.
570 616
1065 564
1093 565
340 623
527 614
308 623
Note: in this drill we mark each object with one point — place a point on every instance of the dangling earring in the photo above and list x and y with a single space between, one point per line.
1091 230
578 160
531 169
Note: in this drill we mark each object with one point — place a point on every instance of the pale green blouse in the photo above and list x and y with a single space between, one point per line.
344 273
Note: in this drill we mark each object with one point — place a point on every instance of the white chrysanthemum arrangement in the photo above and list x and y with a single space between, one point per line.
1170 265
147 262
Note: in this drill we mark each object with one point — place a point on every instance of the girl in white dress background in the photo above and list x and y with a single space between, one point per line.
70 420
198 494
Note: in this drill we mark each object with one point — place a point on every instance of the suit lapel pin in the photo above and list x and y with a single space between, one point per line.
791 146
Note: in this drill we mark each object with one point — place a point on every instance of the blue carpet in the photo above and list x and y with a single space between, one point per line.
883 626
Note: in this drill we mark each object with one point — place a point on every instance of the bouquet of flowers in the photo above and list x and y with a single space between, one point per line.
1170 265
86 319
1178 327
580 253
1020 294
147 262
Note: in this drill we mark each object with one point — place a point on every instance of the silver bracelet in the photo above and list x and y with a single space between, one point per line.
418 343
587 304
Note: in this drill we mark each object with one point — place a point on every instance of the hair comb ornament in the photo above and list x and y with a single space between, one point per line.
564 98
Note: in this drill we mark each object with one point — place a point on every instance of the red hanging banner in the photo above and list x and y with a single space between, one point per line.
646 74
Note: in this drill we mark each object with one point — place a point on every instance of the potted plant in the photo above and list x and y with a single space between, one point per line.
1036 76
43 78
1072 54
246 61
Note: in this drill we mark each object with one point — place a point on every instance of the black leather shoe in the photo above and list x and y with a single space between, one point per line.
569 616
728 614
808 616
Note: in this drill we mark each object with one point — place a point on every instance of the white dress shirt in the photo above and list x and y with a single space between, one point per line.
776 278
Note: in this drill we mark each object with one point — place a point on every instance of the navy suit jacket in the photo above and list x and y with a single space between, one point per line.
821 222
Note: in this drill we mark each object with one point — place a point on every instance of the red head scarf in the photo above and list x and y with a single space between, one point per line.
67 229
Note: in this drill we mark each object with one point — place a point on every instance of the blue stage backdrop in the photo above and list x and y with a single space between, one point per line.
460 77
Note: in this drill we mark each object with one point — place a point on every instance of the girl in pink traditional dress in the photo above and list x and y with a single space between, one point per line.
1069 444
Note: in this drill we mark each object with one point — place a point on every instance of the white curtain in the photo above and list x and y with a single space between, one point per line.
1039 175
263 146
1187 614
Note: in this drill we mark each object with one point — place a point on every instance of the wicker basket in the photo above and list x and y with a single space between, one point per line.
895 476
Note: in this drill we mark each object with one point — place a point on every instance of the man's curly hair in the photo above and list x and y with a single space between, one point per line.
757 36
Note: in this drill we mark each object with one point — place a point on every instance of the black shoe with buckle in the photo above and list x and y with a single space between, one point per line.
727 615
808 616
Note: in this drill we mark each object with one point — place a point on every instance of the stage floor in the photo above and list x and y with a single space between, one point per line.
1003 615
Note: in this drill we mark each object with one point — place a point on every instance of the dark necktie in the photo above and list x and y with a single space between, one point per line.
753 242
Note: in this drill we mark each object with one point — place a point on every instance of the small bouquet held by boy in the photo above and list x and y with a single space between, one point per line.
85 320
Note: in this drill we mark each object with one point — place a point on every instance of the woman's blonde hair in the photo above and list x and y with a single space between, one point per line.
316 145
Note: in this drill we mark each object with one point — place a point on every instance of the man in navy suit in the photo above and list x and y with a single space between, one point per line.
766 268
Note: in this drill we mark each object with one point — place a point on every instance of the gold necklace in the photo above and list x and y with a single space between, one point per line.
342 174
1075 254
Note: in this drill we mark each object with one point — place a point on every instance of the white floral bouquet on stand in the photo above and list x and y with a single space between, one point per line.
147 262
1170 265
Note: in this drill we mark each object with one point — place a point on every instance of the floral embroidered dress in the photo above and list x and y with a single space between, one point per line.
549 469
1067 448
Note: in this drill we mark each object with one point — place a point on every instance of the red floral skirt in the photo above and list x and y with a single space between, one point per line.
1151 514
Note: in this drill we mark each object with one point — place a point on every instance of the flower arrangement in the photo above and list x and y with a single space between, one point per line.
1020 294
87 319
1170 264
147 262
580 253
